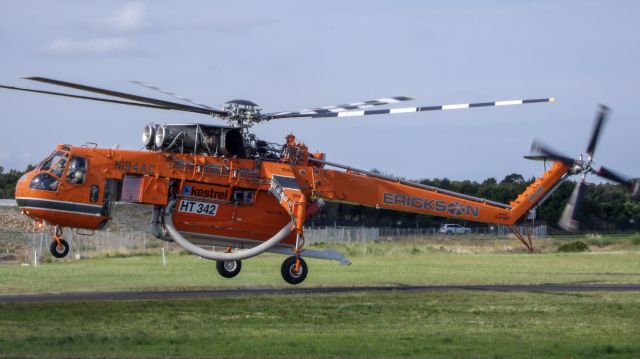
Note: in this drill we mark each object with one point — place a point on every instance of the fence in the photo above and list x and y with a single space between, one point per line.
26 247
30 247
341 234
365 234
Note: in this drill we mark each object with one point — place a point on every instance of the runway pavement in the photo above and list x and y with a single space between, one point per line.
156 295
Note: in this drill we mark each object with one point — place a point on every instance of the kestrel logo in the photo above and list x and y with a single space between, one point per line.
453 208
192 191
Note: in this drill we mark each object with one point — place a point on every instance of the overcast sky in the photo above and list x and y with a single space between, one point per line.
294 55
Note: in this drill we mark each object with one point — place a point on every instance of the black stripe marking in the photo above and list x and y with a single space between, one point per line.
58 206
536 100
482 104
332 114
429 108
377 112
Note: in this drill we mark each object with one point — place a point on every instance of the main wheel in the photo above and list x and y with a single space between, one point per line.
59 250
228 269
289 273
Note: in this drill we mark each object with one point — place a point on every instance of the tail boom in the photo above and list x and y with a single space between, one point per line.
370 189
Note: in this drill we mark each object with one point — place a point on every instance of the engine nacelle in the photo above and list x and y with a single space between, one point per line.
198 139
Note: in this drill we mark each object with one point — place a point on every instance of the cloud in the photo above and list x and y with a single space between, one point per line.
128 19
114 34
94 46
233 24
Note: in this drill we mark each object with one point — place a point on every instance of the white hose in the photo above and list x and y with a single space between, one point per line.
222 256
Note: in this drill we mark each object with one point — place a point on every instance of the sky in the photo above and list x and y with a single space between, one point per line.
291 55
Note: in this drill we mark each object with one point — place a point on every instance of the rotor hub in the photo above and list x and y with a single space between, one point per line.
242 113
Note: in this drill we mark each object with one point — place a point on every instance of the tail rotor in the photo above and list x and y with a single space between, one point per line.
569 220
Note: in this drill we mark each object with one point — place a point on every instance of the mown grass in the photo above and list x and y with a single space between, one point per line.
364 325
430 324
384 263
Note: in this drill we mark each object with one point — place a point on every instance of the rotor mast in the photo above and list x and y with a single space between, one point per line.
241 113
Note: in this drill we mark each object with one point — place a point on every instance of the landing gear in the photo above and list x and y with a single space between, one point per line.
289 272
59 247
228 269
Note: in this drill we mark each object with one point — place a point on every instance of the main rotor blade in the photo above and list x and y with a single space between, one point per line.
569 221
311 112
86 97
425 108
600 119
171 105
179 97
542 151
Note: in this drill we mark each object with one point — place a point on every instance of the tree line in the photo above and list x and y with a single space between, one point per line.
8 181
606 207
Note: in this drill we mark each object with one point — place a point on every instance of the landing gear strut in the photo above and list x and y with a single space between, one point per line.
59 247
228 269
289 272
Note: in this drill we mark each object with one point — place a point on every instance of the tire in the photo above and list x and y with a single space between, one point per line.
59 251
228 269
288 271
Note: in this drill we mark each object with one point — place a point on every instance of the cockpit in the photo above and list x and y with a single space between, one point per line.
56 167
62 191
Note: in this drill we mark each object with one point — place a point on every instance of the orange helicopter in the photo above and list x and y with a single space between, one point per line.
221 186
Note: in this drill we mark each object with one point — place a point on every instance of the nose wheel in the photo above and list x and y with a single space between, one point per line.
59 247
294 272
228 269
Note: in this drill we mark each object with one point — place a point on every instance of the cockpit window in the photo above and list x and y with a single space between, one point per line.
52 160
51 171
44 181
77 170
59 166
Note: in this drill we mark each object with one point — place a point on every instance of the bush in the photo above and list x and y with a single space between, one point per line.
577 246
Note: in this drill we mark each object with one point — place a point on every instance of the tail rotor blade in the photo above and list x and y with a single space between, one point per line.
633 185
634 188
600 119
569 220
612 175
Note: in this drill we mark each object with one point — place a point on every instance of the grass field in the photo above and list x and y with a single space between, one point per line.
373 264
451 324
431 324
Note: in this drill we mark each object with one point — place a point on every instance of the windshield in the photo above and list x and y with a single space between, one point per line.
51 170
52 159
